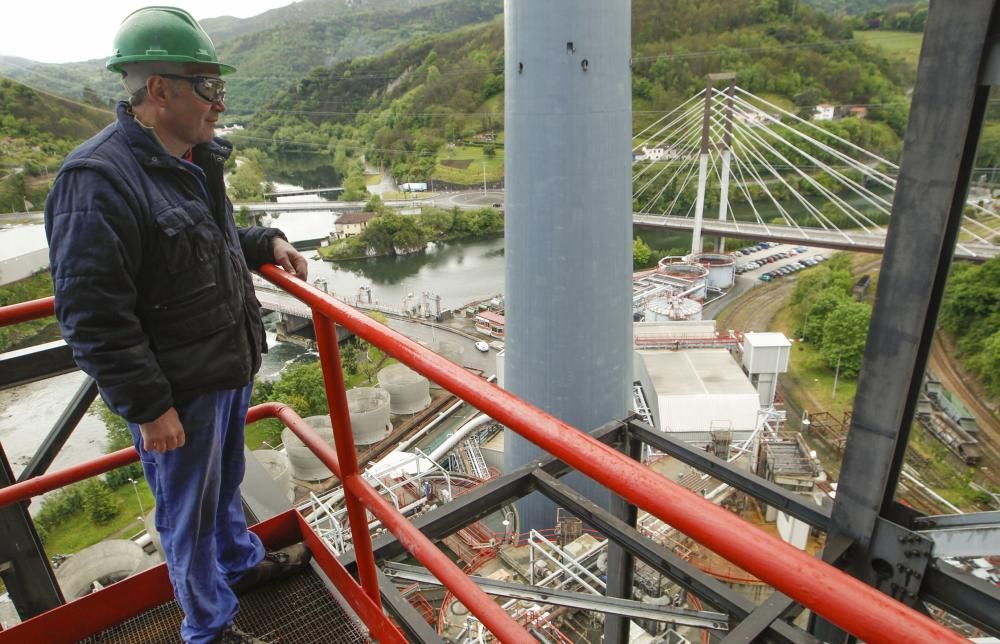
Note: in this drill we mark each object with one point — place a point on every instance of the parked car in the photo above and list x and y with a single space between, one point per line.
482 346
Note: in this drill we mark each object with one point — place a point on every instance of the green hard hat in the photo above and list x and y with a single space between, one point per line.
167 34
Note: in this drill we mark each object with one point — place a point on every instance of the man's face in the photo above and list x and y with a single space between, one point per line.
189 117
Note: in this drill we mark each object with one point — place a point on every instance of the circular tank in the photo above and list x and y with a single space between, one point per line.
277 465
369 408
409 392
450 350
99 565
693 273
721 268
671 308
305 465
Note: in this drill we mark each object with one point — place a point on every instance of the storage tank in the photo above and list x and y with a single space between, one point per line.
694 274
409 392
721 268
672 308
104 563
305 465
277 465
369 407
451 350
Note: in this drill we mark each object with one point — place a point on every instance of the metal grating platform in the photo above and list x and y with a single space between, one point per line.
297 610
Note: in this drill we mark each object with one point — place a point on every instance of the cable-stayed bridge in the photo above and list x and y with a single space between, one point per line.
729 163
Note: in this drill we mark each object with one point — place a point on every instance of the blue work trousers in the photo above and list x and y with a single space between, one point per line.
199 514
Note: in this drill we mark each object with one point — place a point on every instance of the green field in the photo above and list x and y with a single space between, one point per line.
467 163
904 44
78 531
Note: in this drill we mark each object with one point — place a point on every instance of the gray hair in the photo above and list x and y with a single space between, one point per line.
134 77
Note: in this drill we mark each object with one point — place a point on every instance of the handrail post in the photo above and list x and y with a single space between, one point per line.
343 439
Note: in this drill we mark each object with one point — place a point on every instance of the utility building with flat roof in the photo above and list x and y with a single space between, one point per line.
695 390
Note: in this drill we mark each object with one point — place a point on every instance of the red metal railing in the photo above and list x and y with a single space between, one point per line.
840 598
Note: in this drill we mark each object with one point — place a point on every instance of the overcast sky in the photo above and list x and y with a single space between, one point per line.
62 31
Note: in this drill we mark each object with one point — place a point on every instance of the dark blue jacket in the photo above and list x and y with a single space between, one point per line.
152 285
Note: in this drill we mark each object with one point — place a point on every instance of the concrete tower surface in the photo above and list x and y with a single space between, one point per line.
568 219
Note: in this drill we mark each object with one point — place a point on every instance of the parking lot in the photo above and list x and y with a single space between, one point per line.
767 261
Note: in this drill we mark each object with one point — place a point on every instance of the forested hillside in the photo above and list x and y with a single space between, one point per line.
406 108
274 49
37 130
273 59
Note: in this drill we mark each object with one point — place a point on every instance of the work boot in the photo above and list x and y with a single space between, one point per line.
233 635
275 564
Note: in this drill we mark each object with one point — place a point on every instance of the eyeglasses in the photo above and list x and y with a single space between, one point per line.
208 88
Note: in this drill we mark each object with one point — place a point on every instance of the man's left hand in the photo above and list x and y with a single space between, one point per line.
287 257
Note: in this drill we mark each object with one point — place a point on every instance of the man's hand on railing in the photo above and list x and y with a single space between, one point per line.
163 434
289 258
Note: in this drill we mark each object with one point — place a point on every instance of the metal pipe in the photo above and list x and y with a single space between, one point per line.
844 600
460 433
27 311
343 438
25 490
499 622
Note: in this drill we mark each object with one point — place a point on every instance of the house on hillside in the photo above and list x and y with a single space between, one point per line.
351 224
824 112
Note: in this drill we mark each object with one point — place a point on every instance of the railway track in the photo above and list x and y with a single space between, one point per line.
943 365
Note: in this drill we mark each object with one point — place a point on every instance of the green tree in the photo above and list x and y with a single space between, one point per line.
246 183
641 253
301 388
98 501
824 304
118 437
844 336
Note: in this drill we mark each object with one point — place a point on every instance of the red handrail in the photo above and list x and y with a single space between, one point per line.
840 598
27 311
843 600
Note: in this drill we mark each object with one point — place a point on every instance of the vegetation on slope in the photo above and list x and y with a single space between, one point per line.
37 130
403 110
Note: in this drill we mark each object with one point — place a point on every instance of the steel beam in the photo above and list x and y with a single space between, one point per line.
479 502
971 539
939 149
621 564
964 596
35 363
767 491
24 567
628 608
693 580
405 615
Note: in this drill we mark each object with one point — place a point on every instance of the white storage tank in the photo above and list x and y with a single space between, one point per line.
102 564
721 268
446 349
693 274
409 392
305 465
369 408
672 309
277 465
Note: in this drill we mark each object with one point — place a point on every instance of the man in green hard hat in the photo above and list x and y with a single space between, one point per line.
154 295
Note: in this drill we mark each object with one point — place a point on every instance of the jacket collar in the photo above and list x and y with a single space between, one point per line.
148 150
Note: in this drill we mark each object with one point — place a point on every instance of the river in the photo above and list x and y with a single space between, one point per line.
459 272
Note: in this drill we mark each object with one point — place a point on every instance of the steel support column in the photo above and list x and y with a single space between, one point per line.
621 563
939 149
24 567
